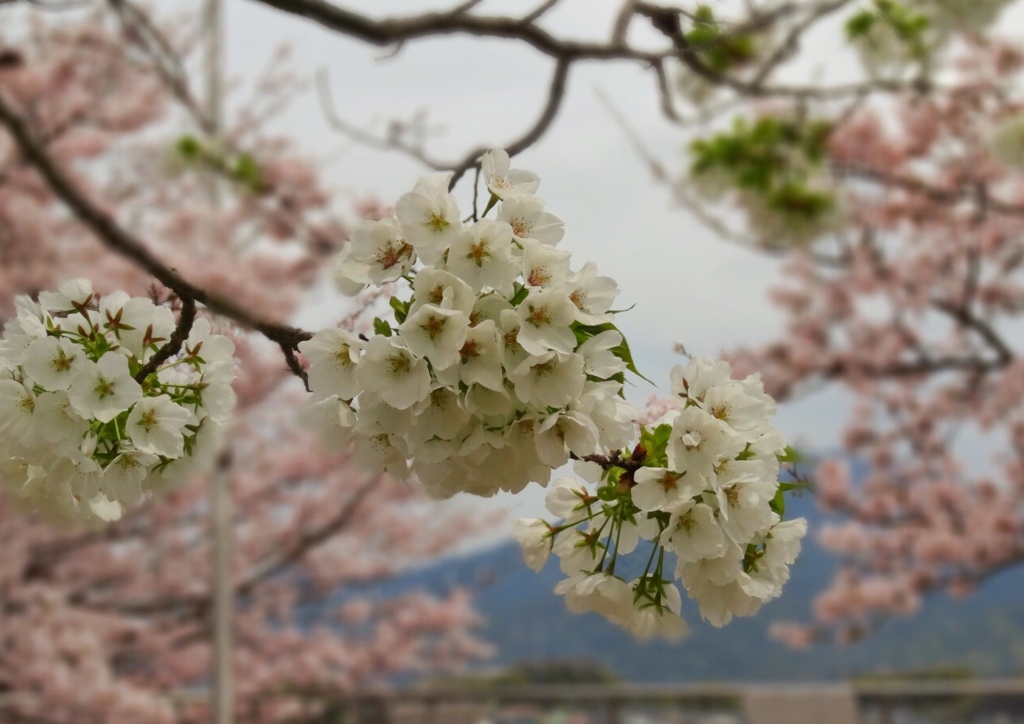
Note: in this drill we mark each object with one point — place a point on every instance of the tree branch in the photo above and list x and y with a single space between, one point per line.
185 321
121 241
667 21
398 30
942 195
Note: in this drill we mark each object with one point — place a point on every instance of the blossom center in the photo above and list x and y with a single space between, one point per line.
686 523
127 462
544 368
538 277
388 257
539 316
669 481
62 363
104 388
479 252
434 327
399 364
436 295
470 350
343 356
148 421
437 222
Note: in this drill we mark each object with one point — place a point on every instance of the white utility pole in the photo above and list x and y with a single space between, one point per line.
221 527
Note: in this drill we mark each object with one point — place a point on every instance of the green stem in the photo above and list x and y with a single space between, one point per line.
617 532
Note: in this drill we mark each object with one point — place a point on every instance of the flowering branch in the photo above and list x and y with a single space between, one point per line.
120 240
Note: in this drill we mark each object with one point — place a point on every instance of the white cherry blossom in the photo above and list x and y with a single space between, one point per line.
429 217
526 216
53 362
436 334
543 266
545 316
549 380
104 389
503 181
592 295
393 372
535 538
482 256
156 425
333 355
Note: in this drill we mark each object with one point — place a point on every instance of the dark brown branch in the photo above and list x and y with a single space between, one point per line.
667 21
964 315
915 368
294 365
397 30
120 240
173 346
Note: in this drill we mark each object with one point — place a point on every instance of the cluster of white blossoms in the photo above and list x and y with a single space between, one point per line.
82 437
501 363
702 487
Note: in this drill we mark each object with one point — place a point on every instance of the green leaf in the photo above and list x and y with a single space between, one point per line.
860 24
247 172
778 504
381 327
790 455
795 485
704 14
190 147
401 308
655 443
607 492
521 293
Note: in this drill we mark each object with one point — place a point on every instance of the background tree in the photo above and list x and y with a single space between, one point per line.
102 624
899 211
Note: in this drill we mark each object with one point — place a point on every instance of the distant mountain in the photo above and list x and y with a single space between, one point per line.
527 622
